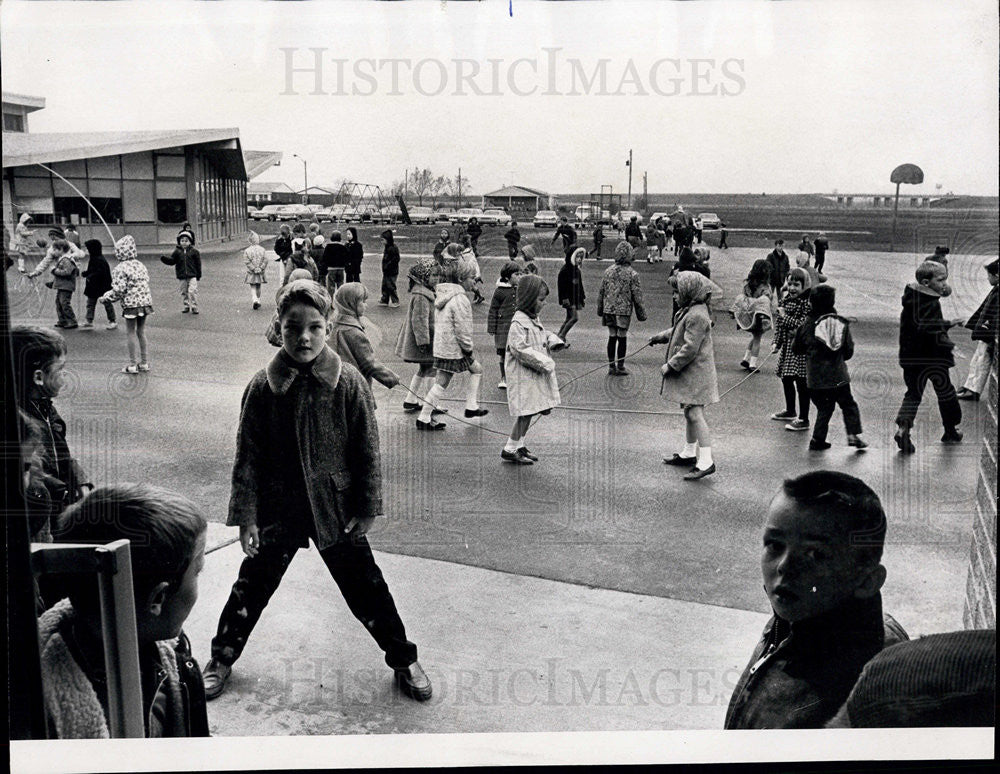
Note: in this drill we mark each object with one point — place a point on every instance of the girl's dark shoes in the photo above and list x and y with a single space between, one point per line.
696 473
902 439
409 408
679 460
516 457
479 412
432 425
818 445
525 453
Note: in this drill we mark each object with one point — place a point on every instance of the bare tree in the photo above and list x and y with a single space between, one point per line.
421 183
439 185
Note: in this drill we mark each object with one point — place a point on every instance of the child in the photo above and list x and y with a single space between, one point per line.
620 293
532 387
453 343
502 313
39 357
355 255
821 245
130 285
348 338
825 340
20 241
98 276
512 237
752 310
689 376
255 260
469 254
186 261
72 235
983 324
792 311
318 242
804 261
777 260
598 236
823 538
335 258
167 534
925 354
571 293
62 259
441 245
308 468
283 248
390 270
416 336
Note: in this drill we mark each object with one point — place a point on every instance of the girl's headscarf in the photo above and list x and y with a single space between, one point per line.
529 252
95 248
801 275
623 252
25 217
253 238
580 252
529 288
693 287
125 249
453 251
802 259
422 272
299 274
348 298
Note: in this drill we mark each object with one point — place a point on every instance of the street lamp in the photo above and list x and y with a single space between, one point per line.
305 178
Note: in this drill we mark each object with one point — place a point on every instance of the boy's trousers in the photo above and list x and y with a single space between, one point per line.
389 288
360 581
189 292
64 307
825 401
980 366
109 308
916 377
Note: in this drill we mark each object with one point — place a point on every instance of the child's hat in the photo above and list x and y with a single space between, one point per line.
318 240
422 270
125 248
185 233
56 233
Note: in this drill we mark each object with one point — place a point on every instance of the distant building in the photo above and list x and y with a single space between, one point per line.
517 199
16 108
320 195
260 194
882 200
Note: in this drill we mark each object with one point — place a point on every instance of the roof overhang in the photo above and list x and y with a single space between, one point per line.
28 103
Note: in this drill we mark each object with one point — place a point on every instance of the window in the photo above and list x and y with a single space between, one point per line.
13 122
67 206
110 208
171 210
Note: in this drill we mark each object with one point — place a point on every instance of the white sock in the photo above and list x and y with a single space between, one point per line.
472 392
512 445
521 444
753 361
415 388
689 450
704 458
747 355
430 402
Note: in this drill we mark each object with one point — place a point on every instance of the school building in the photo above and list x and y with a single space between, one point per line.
517 200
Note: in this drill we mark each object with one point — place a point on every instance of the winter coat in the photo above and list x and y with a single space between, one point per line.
801 673
531 373
780 265
415 341
65 272
753 307
983 322
390 261
255 260
20 241
335 255
72 705
130 285
355 255
691 357
923 331
796 310
452 322
513 236
827 345
568 234
348 339
620 292
337 438
474 230
283 247
633 231
501 313
186 263
51 260
570 286
98 276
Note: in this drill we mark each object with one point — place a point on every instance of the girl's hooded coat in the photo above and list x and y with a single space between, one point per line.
452 322
98 273
570 282
690 352
255 259
415 341
531 373
501 313
129 279
349 340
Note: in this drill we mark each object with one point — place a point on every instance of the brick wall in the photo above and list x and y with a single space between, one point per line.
981 587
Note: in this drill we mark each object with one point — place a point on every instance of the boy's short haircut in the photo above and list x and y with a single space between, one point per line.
33 347
823 298
163 528
61 245
850 500
508 270
929 270
334 236
779 241
306 292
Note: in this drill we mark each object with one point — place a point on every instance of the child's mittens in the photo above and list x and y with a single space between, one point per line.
667 371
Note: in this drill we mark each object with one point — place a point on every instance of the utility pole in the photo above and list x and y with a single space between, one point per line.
459 188
305 178
406 179
629 165
645 191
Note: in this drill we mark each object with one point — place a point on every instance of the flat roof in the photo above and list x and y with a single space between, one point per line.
260 161
29 103
516 190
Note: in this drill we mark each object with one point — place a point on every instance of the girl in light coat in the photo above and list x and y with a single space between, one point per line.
752 310
348 337
532 387
20 241
415 343
255 259
130 285
689 376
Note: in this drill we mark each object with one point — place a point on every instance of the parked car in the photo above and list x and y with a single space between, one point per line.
317 208
391 213
462 216
332 214
267 212
421 215
545 219
251 210
709 220
294 212
624 216
657 215
443 215
496 217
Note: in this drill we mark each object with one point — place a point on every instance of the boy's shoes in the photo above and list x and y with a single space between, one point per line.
902 439
476 412
696 473
432 425
612 370
745 364
143 367
414 682
87 326
964 394
797 425
677 459
393 304
952 435
409 408
527 454
502 385
185 310
57 324
781 416
70 326
819 445
256 304
515 456
383 303
857 442
111 326
194 310
215 675
622 371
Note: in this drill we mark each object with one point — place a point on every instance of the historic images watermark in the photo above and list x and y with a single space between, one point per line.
320 71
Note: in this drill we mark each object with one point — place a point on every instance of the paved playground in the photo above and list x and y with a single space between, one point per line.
593 590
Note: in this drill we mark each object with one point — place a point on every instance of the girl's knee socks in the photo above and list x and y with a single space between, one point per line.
612 344
472 392
430 402
622 347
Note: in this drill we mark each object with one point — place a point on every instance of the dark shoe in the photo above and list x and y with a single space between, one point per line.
952 435
185 310
515 456
409 408
479 412
798 425
432 425
70 326
622 371
818 445
256 304
436 412
902 439
194 311
695 474
965 394
612 370
528 454
414 682
215 676
679 460
745 364
857 442
781 416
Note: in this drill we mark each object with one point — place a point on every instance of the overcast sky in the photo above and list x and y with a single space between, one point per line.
711 96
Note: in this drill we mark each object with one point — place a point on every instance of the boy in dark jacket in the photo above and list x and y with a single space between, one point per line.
390 270
598 236
983 325
308 468
926 354
778 261
474 230
825 339
186 261
501 313
283 248
335 258
571 293
823 539
513 238
98 276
